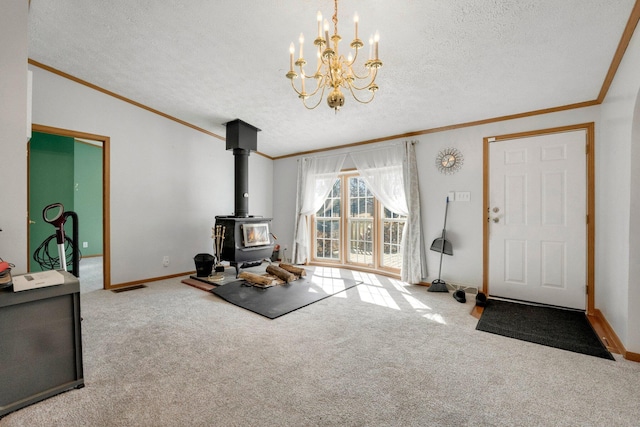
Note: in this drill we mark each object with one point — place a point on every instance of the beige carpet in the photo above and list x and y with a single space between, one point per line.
379 354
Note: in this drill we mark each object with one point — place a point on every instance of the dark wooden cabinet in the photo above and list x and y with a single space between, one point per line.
40 344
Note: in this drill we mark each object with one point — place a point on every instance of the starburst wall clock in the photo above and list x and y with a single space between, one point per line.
449 161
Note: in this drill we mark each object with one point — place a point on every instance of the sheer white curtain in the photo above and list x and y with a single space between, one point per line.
414 260
381 170
392 176
316 176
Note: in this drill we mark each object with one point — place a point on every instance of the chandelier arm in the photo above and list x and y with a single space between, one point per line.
319 67
319 84
363 77
355 57
372 73
294 88
373 94
372 80
303 75
361 88
323 61
304 101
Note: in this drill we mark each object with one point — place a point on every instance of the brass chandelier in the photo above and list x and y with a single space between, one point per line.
333 71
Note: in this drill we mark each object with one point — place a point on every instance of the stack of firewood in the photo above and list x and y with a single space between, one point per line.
276 275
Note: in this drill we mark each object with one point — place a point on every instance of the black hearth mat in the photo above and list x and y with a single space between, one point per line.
279 300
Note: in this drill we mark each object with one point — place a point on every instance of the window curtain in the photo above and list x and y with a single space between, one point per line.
391 174
316 176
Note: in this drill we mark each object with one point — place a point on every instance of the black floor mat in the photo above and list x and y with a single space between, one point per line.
278 300
553 327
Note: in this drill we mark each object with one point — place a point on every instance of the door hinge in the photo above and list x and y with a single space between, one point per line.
586 289
586 148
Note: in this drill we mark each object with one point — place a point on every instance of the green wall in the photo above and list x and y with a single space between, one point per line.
87 201
63 170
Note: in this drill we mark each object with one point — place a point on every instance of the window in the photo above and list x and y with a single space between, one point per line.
360 222
354 228
392 226
327 226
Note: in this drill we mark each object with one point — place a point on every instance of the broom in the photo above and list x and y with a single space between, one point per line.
442 245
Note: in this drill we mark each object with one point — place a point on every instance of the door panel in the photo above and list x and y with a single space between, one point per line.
537 231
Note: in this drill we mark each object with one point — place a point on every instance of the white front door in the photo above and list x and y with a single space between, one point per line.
537 216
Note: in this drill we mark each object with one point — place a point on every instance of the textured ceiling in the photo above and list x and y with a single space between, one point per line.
445 61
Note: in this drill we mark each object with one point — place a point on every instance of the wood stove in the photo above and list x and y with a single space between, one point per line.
247 238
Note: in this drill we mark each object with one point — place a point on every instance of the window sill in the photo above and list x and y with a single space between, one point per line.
394 274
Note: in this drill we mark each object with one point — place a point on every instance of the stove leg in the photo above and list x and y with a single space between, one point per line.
235 264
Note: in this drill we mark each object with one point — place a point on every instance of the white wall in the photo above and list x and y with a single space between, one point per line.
633 316
618 180
617 141
13 131
285 177
168 181
465 219
617 196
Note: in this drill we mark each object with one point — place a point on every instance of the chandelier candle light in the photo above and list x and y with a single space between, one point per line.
333 71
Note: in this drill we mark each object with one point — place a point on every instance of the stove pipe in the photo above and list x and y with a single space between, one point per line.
242 138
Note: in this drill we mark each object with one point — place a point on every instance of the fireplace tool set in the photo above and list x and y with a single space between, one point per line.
218 240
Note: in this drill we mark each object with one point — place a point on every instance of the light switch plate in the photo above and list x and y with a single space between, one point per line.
463 196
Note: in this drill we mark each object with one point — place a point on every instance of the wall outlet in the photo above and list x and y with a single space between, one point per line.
85 244
165 261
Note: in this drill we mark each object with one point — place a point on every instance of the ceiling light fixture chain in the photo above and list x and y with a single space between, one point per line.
335 17
333 71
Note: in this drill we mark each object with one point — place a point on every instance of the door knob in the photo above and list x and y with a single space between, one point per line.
31 222
496 209
496 220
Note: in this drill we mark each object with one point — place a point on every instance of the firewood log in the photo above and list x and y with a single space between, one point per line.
293 269
281 273
256 279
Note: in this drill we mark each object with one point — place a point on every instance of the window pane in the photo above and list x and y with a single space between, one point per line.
327 238
361 241
335 191
360 223
392 225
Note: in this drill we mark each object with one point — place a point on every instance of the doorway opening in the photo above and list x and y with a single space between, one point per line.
73 168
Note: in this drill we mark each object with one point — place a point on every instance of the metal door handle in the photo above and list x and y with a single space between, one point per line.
496 220
31 222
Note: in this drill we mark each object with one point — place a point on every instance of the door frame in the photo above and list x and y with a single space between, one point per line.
106 221
589 129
